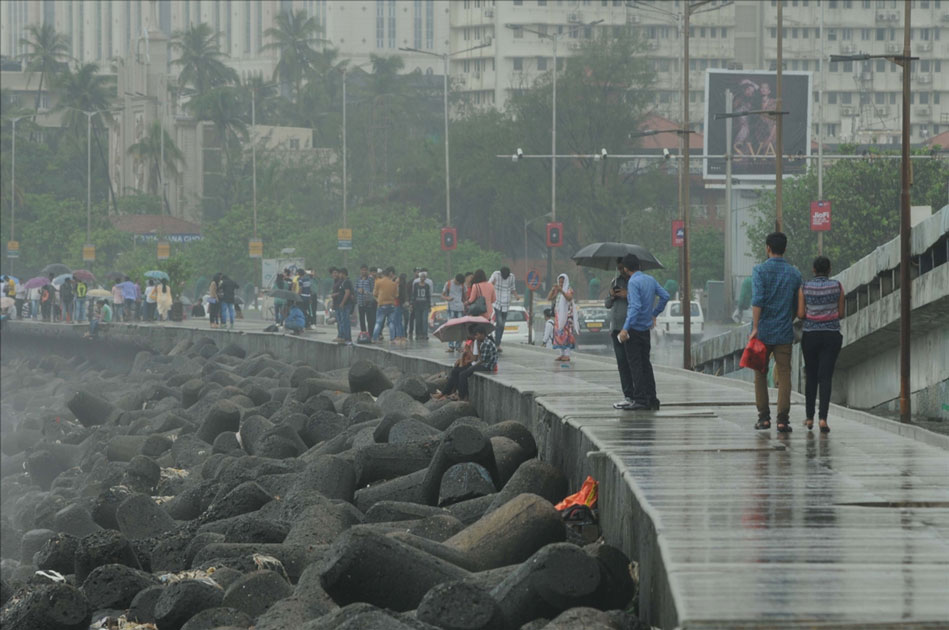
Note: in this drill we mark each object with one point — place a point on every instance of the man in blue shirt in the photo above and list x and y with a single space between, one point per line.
641 312
774 285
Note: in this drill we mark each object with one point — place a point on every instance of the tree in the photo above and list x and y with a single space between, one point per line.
293 38
85 89
201 60
149 150
48 53
865 203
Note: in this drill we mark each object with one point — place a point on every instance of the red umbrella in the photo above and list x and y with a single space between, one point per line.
461 328
84 274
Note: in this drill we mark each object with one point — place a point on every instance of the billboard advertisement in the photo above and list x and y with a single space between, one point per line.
754 137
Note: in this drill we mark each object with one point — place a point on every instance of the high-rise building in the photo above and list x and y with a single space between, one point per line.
103 30
861 100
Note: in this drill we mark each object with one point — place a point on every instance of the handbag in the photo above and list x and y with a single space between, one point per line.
479 306
755 356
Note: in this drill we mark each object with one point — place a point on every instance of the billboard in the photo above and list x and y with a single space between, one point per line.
754 137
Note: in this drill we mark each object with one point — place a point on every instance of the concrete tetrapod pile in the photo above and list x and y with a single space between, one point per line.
208 489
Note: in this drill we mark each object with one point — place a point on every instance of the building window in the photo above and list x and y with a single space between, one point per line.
833 66
380 24
831 129
924 65
832 98
429 24
935 98
417 24
831 34
518 64
924 98
392 30
846 34
295 144
846 98
892 98
541 64
881 65
848 66
518 32
879 98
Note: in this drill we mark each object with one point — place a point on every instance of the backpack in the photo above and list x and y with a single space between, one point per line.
46 294
81 290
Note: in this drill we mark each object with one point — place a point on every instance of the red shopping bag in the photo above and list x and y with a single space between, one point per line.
587 496
755 356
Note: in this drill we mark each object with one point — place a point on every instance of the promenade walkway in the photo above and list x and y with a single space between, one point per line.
735 528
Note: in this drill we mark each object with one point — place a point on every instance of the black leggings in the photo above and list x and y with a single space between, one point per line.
458 379
820 348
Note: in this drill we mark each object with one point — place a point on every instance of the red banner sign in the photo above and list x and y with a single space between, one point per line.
820 216
678 233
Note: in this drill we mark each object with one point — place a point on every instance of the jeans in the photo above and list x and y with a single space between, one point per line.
420 312
408 320
501 319
117 311
622 365
782 377
367 318
227 313
214 312
384 313
400 315
307 308
68 310
820 348
640 369
458 379
151 308
129 309
93 325
343 323
34 309
80 309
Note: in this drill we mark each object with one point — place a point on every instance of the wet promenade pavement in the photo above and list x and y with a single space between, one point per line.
757 529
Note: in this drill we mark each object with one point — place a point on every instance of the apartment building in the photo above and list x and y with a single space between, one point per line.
861 100
103 30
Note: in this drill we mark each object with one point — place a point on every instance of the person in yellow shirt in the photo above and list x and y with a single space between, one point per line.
386 294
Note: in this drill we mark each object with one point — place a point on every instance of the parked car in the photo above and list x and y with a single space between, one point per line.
670 320
594 322
516 325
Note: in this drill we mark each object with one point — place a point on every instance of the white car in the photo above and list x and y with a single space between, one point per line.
669 321
515 327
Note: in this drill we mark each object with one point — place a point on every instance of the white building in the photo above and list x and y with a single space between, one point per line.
102 30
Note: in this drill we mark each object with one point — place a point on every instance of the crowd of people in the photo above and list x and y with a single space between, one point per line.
778 295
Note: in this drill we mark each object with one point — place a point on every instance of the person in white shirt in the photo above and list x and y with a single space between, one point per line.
505 290
454 294
548 327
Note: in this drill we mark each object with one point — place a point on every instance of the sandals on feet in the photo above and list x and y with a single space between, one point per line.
784 427
823 427
809 423
763 425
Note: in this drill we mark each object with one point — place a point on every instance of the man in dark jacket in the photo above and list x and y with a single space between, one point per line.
616 303
227 293
67 299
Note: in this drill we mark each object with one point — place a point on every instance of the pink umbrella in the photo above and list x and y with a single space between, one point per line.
84 274
461 328
36 283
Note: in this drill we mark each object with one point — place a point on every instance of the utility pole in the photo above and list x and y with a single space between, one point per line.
253 152
779 150
905 231
820 130
729 236
89 116
13 189
553 164
686 297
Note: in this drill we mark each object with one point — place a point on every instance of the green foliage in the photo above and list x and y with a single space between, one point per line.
865 208
200 59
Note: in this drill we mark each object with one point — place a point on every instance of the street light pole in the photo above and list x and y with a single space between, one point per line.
729 237
13 188
89 116
345 182
820 133
905 231
779 127
686 298
253 152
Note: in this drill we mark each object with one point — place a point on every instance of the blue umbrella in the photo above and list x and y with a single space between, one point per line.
157 275
58 280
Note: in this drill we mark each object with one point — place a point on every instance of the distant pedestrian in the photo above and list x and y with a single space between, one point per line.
365 285
163 299
214 302
820 303
505 292
645 300
481 288
454 296
20 298
67 298
296 320
197 310
48 300
35 296
548 328
409 304
775 284
386 294
306 295
81 290
744 301
404 308
129 297
422 291
279 304
151 301
566 326
227 292
343 301
101 314
618 305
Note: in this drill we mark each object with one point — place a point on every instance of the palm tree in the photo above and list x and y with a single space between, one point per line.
293 37
48 53
223 107
84 89
149 149
263 93
201 59
387 89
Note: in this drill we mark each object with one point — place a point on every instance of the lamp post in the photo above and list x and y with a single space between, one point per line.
554 38
13 121
527 223
89 115
445 57
905 61
345 72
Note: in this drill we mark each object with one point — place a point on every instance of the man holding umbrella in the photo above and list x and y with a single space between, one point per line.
641 312
617 305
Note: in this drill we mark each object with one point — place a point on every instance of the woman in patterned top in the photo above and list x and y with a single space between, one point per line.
820 303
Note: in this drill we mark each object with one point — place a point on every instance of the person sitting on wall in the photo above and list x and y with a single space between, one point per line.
295 321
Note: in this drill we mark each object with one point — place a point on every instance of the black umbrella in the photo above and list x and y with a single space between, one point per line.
289 296
604 255
57 269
